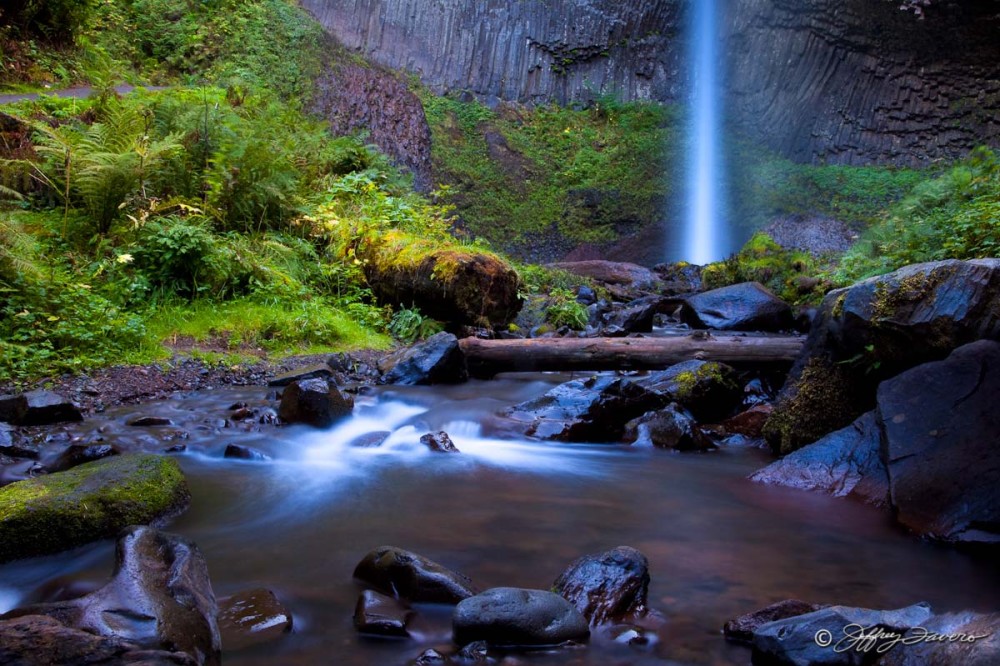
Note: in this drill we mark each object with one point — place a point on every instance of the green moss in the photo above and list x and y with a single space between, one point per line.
825 398
94 501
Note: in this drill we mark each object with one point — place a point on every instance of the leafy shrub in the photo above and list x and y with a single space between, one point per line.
564 310
787 273
176 255
409 325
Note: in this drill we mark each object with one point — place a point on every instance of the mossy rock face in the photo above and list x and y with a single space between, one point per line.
49 514
873 331
709 390
463 287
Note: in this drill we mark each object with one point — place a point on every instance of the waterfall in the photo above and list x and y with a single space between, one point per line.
705 238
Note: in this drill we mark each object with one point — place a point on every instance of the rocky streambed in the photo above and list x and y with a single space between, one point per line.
494 491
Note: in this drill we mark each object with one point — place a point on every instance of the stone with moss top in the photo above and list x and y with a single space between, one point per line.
52 513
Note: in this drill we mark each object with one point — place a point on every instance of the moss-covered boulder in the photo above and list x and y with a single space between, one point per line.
455 284
94 501
709 390
876 329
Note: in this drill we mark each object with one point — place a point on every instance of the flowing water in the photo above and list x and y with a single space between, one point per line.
508 513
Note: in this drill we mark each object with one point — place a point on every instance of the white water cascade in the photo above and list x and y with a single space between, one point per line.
705 237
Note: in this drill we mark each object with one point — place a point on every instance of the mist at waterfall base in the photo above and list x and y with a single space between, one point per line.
704 235
504 511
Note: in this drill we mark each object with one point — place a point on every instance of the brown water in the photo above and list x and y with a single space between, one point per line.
515 514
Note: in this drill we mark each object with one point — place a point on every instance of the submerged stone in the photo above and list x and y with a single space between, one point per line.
380 615
609 587
252 617
412 577
514 617
314 402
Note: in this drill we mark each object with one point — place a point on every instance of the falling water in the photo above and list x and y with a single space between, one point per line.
705 239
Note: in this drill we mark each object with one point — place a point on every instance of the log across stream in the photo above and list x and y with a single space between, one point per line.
487 358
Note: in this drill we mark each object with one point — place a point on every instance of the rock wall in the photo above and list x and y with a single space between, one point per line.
840 81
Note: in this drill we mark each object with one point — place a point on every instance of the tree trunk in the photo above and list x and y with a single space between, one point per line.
486 358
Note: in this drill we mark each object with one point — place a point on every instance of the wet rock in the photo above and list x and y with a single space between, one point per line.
749 423
268 417
679 278
742 629
638 637
412 577
318 371
845 462
239 452
436 360
609 587
630 278
793 640
669 428
637 316
439 442
243 414
514 617
876 329
587 410
370 440
430 657
176 448
739 307
976 642
477 652
43 408
13 445
94 501
709 390
159 598
150 422
941 424
33 640
380 615
585 295
314 402
252 617
8 407
79 454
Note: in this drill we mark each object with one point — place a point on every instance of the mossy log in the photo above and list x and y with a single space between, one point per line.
486 358
457 285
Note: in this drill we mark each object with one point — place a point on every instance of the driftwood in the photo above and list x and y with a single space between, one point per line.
487 358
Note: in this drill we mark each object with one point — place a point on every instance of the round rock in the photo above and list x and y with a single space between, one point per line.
514 617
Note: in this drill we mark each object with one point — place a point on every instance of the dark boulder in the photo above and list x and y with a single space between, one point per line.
809 640
317 371
709 390
749 423
439 442
941 426
412 577
252 617
380 615
55 512
436 360
609 587
43 408
742 629
976 642
239 452
845 462
638 316
876 329
739 307
159 598
80 454
585 410
669 428
513 617
314 402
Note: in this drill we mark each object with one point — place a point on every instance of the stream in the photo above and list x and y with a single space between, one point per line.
505 513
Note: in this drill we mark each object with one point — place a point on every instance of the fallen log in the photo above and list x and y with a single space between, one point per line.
487 358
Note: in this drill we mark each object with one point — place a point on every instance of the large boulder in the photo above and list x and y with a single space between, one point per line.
51 513
740 307
412 577
609 587
845 462
941 449
40 407
436 360
585 410
709 390
314 402
514 617
811 639
159 598
976 642
876 329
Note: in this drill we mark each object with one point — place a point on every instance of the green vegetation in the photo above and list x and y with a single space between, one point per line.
94 501
579 175
952 216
